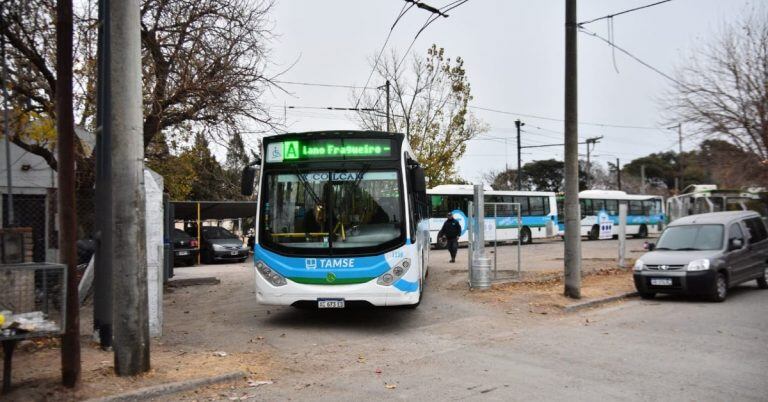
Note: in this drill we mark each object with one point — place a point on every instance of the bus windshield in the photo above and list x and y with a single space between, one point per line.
332 210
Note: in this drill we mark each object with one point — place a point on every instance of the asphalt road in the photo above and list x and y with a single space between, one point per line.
455 347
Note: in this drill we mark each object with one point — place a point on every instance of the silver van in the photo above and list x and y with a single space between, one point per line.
705 255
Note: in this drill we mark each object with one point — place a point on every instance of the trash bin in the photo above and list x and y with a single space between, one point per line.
481 273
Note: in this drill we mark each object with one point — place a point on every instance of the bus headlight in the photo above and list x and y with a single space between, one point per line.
269 274
395 273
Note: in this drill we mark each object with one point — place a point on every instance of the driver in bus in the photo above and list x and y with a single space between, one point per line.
451 230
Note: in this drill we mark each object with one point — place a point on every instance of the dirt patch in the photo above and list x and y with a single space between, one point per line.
544 294
37 375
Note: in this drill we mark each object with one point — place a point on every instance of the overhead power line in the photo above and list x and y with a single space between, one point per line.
580 24
404 10
637 59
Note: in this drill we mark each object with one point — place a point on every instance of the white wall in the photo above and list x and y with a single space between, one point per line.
153 185
35 180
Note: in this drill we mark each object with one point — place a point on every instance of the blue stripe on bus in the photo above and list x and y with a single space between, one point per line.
372 266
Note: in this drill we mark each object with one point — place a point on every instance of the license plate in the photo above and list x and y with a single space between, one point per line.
182 253
661 281
330 303
233 253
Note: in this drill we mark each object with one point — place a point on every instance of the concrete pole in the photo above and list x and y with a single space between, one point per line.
65 126
622 234
519 174
131 325
642 179
572 254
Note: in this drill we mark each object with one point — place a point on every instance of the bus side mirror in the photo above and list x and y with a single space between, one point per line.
419 181
248 177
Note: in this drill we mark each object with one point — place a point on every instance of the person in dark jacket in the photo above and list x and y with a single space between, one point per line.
451 230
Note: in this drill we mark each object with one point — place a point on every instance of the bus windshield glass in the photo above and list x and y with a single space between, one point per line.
332 210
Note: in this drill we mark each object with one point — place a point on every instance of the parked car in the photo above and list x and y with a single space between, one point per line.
219 244
184 248
705 255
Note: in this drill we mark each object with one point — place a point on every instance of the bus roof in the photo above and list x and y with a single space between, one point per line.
616 195
468 189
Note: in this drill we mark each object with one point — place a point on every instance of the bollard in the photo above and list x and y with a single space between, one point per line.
481 273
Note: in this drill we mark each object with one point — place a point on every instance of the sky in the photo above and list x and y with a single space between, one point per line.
513 52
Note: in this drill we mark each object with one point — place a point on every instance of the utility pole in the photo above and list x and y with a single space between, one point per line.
642 179
590 141
572 254
680 157
102 278
65 125
519 174
131 325
618 173
7 132
388 85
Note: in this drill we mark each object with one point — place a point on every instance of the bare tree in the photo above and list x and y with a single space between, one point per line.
203 70
429 102
723 92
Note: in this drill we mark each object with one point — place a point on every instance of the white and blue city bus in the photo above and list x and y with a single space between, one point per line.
342 217
538 211
645 213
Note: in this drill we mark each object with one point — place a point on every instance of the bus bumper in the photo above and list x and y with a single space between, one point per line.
370 292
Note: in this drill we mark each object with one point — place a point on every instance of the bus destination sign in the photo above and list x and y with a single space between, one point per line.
337 148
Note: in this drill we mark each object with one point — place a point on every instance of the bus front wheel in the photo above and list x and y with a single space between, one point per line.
594 234
525 236
642 232
442 242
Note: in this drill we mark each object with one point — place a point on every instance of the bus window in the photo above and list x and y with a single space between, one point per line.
547 210
536 206
635 208
612 207
598 205
586 208
648 207
439 209
561 209
657 205
523 201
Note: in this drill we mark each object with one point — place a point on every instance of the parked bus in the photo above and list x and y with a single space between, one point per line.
538 212
645 213
705 198
341 217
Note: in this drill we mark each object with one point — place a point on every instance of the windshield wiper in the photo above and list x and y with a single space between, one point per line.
661 248
688 249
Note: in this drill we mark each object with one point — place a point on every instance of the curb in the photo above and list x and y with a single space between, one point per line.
170 388
580 306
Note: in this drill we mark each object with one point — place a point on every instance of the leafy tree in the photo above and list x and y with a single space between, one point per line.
501 180
429 103
544 175
721 93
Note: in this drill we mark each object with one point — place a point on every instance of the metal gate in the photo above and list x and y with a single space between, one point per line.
501 226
